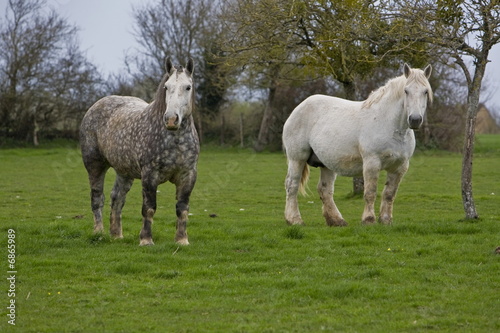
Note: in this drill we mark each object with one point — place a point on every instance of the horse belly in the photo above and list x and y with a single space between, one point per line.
344 162
347 165
125 164
121 153
341 153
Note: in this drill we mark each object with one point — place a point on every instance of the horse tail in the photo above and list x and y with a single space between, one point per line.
303 180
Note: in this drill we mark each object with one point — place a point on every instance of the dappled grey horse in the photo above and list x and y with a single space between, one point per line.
154 142
353 139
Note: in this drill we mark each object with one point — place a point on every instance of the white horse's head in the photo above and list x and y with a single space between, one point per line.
179 94
417 92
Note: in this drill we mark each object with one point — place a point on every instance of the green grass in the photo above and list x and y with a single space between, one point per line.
246 270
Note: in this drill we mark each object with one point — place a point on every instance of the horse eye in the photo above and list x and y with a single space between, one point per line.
188 88
165 87
406 92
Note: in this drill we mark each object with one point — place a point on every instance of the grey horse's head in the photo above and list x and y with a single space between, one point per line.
179 94
417 93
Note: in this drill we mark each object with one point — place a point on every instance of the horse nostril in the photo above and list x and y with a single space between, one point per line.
172 122
415 121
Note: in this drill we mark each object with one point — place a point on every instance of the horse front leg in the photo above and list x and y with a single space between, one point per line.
389 193
325 189
149 186
371 171
292 184
184 187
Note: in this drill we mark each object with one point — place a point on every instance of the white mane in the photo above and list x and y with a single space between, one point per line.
394 88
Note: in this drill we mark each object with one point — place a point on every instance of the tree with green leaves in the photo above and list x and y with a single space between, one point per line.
283 41
464 32
279 42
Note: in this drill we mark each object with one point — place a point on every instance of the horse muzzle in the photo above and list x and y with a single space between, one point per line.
415 121
172 123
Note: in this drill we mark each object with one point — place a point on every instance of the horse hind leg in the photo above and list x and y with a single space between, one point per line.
297 174
96 180
118 194
371 171
325 189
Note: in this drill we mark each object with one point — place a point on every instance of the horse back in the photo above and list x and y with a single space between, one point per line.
99 114
321 109
320 120
108 128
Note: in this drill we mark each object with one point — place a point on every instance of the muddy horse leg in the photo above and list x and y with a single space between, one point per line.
292 183
184 187
389 193
96 180
118 194
371 169
325 190
149 186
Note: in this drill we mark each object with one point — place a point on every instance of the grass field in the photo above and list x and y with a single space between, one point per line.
246 270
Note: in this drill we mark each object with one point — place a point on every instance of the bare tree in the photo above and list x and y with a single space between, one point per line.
180 29
168 28
40 67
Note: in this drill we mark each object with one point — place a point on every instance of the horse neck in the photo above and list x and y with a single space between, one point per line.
187 124
154 118
392 114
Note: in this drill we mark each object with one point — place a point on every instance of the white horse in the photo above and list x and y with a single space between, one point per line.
355 139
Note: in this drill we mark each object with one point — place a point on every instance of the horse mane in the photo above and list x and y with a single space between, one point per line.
160 95
394 88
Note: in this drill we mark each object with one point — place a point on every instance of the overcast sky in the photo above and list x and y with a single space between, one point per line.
106 34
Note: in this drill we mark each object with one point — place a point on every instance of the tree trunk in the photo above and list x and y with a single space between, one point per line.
265 125
467 198
242 142
35 132
222 128
358 183
474 89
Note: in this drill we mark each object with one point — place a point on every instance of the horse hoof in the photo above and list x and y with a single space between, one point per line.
385 222
98 230
182 241
146 242
369 220
341 223
295 222
335 223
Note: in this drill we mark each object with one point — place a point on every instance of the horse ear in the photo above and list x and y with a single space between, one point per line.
406 70
190 66
428 71
168 65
